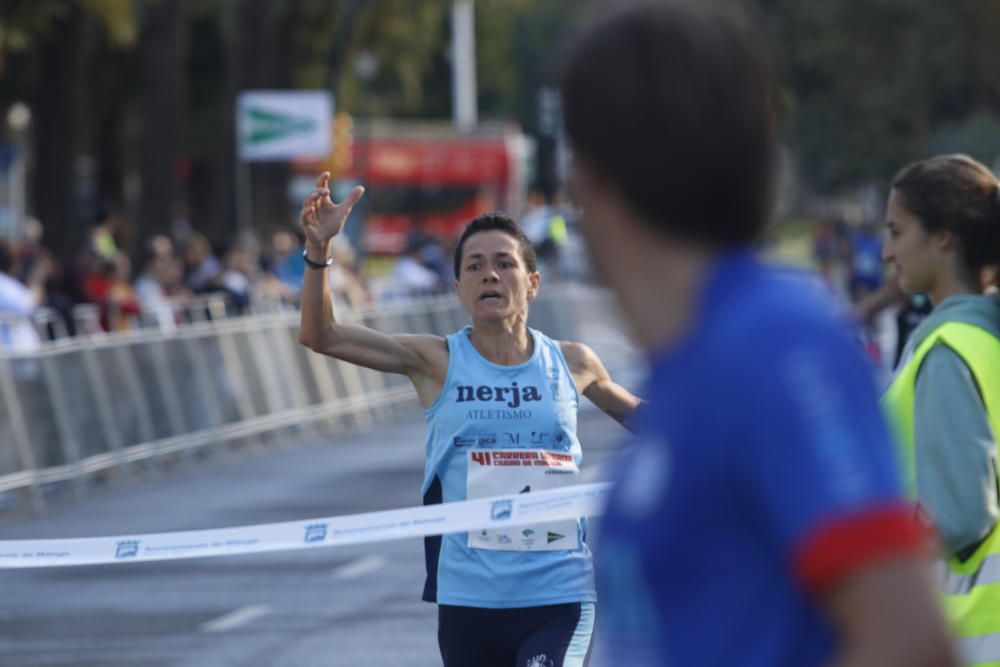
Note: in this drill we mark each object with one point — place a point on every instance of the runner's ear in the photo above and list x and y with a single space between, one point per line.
535 279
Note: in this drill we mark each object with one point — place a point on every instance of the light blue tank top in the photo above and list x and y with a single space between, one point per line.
496 430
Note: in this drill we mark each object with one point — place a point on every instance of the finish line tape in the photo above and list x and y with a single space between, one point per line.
457 517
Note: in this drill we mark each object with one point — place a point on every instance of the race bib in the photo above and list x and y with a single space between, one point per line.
497 472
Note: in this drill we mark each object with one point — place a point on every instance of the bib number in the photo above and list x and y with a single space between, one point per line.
497 472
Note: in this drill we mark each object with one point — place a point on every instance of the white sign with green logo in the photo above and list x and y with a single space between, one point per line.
280 124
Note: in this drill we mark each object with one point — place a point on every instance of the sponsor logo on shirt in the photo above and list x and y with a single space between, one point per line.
488 440
462 443
553 461
513 396
561 440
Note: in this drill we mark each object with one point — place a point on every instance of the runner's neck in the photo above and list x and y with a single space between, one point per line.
503 345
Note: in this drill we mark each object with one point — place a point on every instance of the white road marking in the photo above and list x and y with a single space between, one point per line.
360 567
234 619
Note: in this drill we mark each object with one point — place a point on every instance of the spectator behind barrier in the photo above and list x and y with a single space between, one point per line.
18 302
286 262
202 268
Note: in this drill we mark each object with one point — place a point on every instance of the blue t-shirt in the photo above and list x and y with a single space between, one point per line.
866 262
291 270
762 427
496 430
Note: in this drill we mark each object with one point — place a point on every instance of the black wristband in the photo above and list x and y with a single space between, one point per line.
316 265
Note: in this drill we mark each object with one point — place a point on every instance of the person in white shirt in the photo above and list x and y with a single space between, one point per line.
18 302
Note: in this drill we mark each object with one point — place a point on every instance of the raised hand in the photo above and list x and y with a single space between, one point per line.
321 218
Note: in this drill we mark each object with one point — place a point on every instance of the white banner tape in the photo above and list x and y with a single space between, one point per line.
457 517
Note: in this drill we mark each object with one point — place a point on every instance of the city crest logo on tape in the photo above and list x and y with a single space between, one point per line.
127 549
501 509
315 532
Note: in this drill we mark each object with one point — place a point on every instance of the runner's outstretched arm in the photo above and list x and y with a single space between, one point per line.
594 382
321 220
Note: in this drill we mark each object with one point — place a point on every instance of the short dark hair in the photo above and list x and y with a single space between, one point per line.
674 104
957 194
500 222
6 257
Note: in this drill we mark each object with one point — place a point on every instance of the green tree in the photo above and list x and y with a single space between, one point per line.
46 49
868 81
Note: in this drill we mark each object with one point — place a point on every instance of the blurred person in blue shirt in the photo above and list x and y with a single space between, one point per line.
411 275
866 260
286 263
201 267
757 518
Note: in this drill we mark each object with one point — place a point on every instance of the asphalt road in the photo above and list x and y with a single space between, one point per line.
338 606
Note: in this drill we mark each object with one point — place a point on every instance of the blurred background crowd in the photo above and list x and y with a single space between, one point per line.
102 287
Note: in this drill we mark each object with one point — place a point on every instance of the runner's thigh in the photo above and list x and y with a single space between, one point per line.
469 636
562 640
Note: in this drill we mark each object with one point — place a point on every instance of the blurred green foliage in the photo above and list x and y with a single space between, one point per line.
871 84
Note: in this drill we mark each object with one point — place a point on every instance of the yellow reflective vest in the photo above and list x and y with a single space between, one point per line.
971 588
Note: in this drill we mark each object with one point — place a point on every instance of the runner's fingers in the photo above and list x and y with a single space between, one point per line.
317 195
307 216
353 197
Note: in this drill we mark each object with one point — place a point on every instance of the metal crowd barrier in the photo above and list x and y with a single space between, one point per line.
76 406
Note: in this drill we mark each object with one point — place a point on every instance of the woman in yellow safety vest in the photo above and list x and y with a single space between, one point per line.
943 236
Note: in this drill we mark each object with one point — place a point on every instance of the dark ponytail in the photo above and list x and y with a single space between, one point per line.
960 195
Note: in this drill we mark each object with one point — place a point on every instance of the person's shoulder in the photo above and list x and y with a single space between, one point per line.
783 301
779 319
578 356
